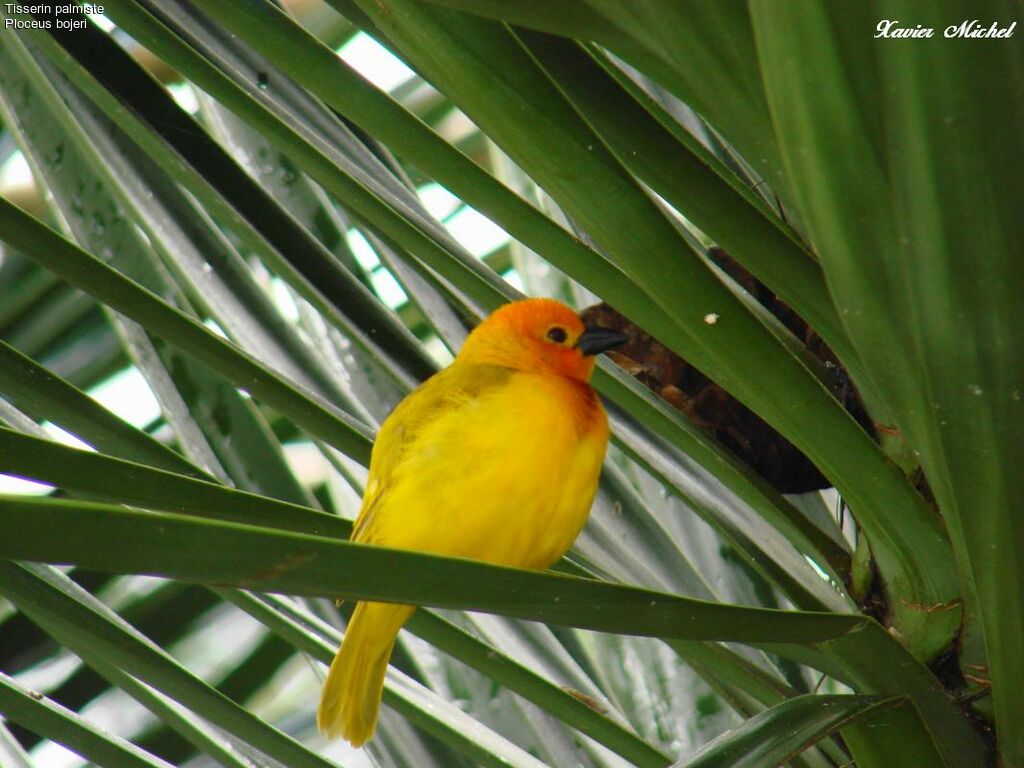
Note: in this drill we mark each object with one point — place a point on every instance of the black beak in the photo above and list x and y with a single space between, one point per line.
594 341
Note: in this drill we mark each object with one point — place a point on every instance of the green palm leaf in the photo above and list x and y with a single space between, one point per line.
274 250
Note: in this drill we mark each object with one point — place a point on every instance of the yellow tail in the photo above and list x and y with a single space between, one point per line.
351 695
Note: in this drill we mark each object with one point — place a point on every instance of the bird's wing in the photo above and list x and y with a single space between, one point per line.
441 395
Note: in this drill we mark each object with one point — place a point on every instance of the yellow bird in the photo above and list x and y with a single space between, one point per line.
495 458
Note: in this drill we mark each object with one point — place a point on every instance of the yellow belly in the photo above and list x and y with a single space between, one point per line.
508 478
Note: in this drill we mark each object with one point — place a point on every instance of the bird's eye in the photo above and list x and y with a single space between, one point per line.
557 335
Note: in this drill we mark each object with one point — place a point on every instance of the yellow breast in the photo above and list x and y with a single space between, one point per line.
508 476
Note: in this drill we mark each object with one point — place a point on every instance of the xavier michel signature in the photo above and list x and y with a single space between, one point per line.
966 29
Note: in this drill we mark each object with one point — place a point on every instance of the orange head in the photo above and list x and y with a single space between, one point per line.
539 336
